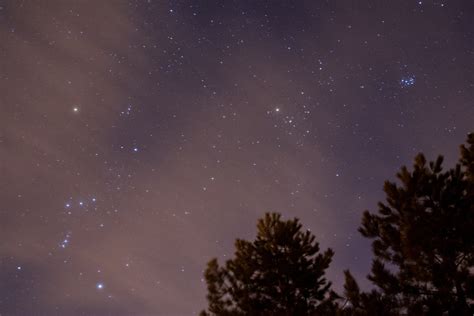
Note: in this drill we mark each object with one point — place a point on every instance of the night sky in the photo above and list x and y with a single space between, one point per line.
139 139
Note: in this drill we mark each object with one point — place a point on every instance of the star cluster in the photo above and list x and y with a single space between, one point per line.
139 139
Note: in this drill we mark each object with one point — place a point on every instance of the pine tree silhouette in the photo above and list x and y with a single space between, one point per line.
280 273
423 242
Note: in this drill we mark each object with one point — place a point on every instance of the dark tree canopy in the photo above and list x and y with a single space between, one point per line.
280 273
423 245
423 242
364 304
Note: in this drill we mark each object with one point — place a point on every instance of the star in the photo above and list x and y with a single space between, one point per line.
64 243
407 81
75 109
99 286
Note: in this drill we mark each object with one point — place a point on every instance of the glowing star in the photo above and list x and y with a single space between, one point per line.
407 81
64 243
277 110
99 286
75 109
135 149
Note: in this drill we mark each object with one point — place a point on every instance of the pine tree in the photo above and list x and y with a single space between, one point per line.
280 273
359 303
423 242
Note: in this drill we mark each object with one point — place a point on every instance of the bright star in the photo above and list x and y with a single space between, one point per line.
75 109
407 81
99 286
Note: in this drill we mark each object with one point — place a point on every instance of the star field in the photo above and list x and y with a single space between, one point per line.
139 139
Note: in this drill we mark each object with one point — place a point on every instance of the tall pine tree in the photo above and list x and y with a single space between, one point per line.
423 242
280 273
